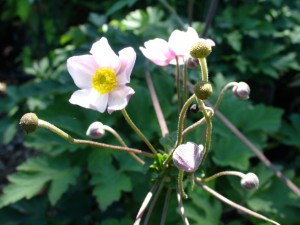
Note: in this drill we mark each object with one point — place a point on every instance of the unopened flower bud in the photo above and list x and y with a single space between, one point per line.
194 108
95 130
203 90
250 181
202 48
29 122
192 62
241 91
187 157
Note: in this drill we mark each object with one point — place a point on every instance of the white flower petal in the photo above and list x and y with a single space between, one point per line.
176 42
104 55
98 101
158 51
192 35
127 58
118 98
210 42
81 69
90 99
81 97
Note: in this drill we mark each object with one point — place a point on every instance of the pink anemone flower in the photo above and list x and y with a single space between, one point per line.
162 53
102 77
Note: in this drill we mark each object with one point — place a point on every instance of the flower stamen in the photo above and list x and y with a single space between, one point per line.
104 80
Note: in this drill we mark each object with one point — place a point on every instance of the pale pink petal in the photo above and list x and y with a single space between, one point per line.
192 35
104 55
81 69
158 51
180 61
81 97
127 58
98 101
176 42
89 98
118 98
210 42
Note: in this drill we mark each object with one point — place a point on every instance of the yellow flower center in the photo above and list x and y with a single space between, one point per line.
104 80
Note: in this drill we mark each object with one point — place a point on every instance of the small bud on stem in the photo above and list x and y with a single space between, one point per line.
203 90
250 181
187 157
241 91
95 130
202 48
29 122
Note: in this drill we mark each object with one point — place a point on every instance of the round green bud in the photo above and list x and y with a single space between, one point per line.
29 122
200 50
203 90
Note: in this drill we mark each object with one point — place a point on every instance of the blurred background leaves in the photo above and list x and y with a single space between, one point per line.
45 180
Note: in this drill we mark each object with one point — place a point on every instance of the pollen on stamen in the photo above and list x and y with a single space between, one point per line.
104 80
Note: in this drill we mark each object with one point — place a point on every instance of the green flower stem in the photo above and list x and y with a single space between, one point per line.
181 207
204 70
233 204
178 84
119 138
208 129
193 126
64 135
165 207
198 123
180 184
185 77
221 95
159 114
154 201
136 129
145 203
180 126
223 173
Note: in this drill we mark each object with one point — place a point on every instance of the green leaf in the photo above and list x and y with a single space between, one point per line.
117 222
32 176
204 208
262 118
119 5
230 151
292 131
234 39
108 182
23 9
277 200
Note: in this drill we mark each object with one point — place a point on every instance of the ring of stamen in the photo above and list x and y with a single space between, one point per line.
104 80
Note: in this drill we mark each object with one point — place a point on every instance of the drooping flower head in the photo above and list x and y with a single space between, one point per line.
188 157
179 45
102 77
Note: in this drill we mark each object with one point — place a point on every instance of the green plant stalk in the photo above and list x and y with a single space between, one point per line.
154 201
185 77
146 202
178 84
64 135
180 126
160 116
180 184
119 138
221 95
137 130
204 70
233 204
223 173
208 128
166 206
181 208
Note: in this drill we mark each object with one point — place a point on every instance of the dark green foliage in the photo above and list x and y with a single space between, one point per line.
64 184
